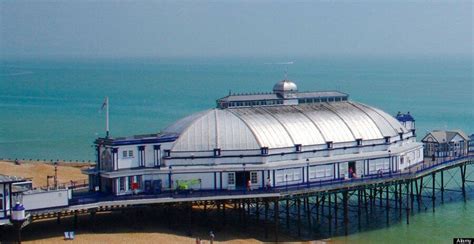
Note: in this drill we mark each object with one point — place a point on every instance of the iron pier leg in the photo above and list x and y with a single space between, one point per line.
287 209
433 197
329 214
223 214
366 209
442 186
257 211
380 197
359 212
463 180
317 208
335 211
266 218
298 201
408 205
346 216
58 219
387 203
396 196
277 218
412 197
75 219
308 212
400 201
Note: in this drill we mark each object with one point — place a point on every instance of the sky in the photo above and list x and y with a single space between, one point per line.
114 29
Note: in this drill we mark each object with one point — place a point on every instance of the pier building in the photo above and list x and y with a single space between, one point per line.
252 141
440 143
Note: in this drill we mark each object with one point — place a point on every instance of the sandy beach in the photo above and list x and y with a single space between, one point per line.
116 227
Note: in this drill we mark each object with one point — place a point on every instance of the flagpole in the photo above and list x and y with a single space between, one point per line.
107 116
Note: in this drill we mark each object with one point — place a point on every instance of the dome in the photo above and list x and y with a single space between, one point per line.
250 128
285 86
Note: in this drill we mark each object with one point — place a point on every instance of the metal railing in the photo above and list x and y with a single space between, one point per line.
421 167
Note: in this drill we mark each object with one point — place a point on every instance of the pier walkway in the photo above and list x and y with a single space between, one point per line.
88 201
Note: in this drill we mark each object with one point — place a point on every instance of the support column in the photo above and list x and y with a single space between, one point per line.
463 180
387 204
433 197
329 214
408 205
298 205
335 210
287 209
277 217
346 215
442 186
266 218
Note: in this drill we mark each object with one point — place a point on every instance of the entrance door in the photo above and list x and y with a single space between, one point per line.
241 179
352 169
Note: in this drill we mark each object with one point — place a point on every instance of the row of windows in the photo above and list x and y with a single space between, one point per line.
130 183
321 99
231 178
255 103
127 154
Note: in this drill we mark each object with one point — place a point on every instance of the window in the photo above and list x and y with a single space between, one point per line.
139 181
130 153
130 182
122 183
231 178
1 201
253 177
298 147
124 154
329 144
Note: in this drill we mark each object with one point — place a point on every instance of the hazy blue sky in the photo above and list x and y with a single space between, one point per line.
234 28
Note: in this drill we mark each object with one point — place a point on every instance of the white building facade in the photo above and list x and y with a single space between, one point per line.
279 139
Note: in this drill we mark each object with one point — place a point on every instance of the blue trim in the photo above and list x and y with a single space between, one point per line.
274 180
215 180
263 178
220 179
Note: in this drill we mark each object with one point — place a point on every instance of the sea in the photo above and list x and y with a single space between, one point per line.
50 108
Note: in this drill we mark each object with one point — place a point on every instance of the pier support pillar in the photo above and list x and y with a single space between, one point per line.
407 204
346 215
463 180
266 218
329 214
335 210
433 197
387 203
276 217
287 209
442 186
75 220
298 204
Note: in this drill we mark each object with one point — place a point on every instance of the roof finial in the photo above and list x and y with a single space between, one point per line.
286 73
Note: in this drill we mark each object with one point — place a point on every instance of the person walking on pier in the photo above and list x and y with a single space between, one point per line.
269 183
249 185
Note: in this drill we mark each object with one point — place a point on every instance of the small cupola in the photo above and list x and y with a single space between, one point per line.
285 88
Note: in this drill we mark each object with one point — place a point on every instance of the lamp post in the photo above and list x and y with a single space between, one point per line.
18 217
56 175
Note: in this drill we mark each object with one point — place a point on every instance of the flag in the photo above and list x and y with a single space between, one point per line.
104 104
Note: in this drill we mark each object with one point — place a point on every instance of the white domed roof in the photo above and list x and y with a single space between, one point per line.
285 86
249 128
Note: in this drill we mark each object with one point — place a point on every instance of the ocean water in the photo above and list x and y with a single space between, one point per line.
50 109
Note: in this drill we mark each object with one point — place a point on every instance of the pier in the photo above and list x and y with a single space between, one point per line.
306 211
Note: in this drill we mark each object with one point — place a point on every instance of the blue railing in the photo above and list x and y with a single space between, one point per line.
425 166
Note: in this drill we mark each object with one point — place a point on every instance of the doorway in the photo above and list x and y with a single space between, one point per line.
352 169
241 179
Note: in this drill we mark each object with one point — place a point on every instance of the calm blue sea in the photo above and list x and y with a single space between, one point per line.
50 109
